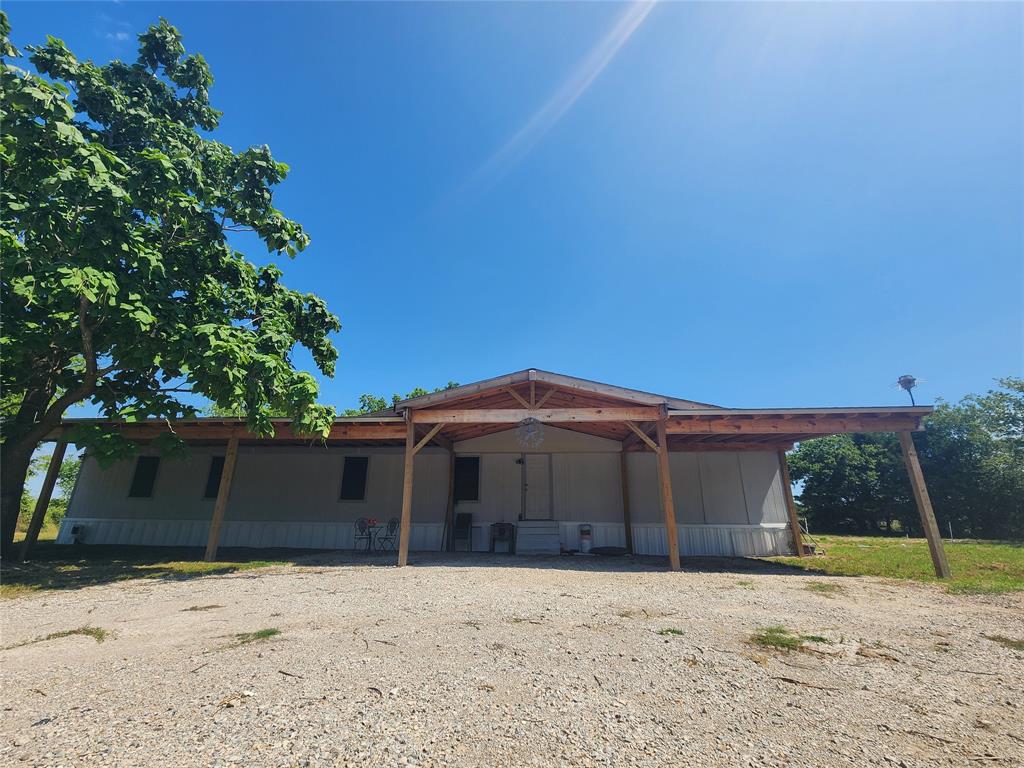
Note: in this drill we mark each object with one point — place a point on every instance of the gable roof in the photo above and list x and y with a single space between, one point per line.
558 380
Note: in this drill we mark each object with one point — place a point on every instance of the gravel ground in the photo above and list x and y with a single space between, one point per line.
467 661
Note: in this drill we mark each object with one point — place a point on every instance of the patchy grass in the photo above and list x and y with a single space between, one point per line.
201 608
96 633
48 532
59 567
979 567
826 588
784 639
744 584
244 638
670 631
1007 642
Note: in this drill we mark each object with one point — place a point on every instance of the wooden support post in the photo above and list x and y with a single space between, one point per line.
449 515
223 493
43 502
924 506
410 456
627 520
787 492
668 506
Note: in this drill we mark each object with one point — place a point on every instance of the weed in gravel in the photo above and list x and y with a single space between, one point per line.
201 608
784 639
824 588
744 584
243 638
1007 642
670 631
96 633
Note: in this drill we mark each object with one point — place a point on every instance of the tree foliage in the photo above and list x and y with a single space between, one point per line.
972 456
370 403
119 283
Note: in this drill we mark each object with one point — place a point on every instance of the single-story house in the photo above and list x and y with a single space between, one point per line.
543 452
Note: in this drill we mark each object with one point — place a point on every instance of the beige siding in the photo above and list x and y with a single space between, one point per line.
727 503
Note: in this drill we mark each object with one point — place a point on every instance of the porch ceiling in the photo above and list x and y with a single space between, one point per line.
595 409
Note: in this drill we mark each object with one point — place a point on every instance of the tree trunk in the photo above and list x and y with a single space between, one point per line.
14 462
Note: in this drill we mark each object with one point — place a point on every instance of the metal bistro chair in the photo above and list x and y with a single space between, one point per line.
462 532
363 533
386 538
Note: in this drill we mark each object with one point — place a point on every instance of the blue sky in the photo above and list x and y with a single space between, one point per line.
744 204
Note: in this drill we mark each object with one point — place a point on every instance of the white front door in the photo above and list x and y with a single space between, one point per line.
537 486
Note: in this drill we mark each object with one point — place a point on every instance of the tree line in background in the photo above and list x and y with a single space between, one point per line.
972 455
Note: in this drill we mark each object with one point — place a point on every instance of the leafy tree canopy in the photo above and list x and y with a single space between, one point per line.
119 284
972 456
370 403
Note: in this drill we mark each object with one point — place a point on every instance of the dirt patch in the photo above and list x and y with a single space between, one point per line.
468 661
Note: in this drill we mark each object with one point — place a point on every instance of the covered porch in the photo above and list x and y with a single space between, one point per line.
643 437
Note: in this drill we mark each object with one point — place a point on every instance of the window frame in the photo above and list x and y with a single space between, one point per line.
479 479
209 467
156 477
366 479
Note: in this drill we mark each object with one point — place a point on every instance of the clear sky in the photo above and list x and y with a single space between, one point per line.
744 204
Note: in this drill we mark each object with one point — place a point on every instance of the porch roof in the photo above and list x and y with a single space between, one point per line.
498 404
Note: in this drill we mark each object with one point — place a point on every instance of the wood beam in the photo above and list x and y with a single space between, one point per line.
427 438
533 394
515 415
709 447
519 398
198 431
43 502
787 492
406 524
667 504
738 425
627 519
642 436
449 515
544 398
924 506
221 505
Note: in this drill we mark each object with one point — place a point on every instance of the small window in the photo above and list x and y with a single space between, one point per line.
467 478
353 478
144 477
213 479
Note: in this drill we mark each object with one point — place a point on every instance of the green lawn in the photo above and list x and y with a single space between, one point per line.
51 566
978 566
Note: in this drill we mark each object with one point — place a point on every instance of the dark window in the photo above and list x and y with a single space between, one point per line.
353 478
144 477
213 479
467 478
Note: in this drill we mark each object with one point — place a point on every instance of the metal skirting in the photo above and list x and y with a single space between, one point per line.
648 539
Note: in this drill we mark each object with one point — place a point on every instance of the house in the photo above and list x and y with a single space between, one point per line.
545 452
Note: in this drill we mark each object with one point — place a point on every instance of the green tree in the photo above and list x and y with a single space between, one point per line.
370 403
972 456
119 285
66 478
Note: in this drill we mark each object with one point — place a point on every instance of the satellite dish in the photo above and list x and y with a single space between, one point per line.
907 382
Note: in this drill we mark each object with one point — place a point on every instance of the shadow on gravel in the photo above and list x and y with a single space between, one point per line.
596 563
64 567
58 566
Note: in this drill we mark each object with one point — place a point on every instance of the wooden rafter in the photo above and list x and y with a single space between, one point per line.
518 398
427 438
545 397
642 436
515 415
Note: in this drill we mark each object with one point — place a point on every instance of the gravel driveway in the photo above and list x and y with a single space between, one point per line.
467 661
